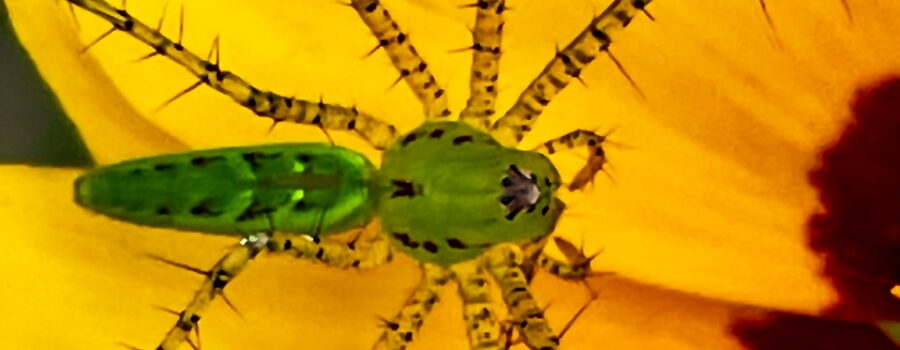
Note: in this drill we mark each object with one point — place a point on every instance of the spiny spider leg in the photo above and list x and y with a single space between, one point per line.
180 28
580 138
575 317
562 333
532 251
264 103
404 56
486 39
577 266
74 18
401 330
504 261
353 254
482 325
196 327
765 10
228 267
849 13
366 254
566 65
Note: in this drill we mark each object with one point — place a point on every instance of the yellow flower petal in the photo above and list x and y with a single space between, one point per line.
713 199
111 128
687 152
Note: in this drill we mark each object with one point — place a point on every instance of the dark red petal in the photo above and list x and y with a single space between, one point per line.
858 234
859 187
783 331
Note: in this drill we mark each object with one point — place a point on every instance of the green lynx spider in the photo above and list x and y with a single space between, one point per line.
486 214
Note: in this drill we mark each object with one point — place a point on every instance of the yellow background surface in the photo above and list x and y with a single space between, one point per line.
704 223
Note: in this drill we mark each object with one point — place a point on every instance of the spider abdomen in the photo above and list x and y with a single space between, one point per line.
305 188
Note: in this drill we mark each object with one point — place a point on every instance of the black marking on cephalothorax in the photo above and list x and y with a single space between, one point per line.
544 210
462 139
304 158
409 138
404 188
300 205
436 133
405 240
430 247
204 161
455 243
163 211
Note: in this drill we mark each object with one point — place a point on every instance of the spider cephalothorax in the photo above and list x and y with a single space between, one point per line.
457 192
456 195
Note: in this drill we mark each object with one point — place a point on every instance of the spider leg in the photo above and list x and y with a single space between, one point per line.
401 330
225 270
580 138
566 65
482 325
354 254
562 333
404 56
366 254
486 38
264 103
527 317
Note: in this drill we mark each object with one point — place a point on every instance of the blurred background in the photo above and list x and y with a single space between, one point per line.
33 127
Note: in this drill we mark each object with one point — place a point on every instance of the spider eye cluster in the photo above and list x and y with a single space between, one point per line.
520 190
